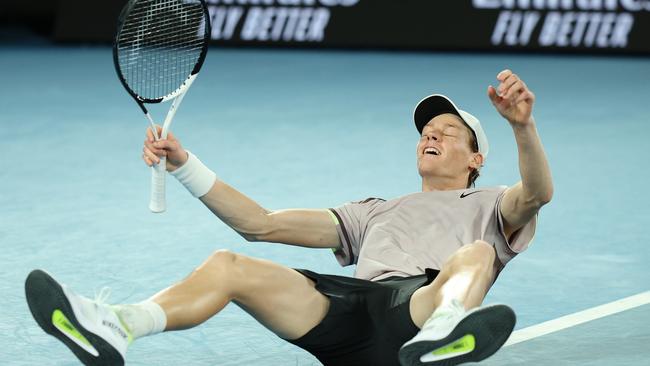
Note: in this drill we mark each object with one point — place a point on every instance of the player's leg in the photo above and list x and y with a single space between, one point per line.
282 299
466 276
450 334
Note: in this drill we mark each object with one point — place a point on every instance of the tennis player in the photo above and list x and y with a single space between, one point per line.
424 261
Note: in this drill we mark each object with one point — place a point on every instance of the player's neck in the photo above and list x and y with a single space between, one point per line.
443 183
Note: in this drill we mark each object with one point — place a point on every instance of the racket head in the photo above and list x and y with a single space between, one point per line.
159 45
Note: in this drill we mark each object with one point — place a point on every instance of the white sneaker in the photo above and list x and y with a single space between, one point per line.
453 336
90 328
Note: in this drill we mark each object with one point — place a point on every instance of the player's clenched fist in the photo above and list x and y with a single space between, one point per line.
171 148
512 98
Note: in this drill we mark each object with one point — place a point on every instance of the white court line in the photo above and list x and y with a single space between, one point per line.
578 318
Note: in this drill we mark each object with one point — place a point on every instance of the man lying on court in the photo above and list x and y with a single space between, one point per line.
425 261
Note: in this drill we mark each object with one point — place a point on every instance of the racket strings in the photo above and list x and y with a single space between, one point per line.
159 45
164 52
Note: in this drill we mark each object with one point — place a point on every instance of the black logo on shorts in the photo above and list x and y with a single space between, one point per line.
465 194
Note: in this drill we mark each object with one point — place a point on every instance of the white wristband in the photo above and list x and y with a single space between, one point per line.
195 176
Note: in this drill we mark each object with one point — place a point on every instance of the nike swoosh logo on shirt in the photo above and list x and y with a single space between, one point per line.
465 194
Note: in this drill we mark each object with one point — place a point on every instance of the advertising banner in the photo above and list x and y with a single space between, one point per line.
554 25
575 26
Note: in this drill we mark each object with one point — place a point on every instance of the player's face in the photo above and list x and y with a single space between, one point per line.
444 148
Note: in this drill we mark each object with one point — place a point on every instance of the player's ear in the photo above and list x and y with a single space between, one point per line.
476 161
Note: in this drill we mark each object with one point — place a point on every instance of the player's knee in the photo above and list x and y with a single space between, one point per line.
222 256
483 252
221 262
478 253
483 249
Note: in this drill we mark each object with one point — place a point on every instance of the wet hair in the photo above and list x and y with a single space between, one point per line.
474 173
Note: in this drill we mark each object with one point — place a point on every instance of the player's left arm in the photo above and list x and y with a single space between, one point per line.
521 202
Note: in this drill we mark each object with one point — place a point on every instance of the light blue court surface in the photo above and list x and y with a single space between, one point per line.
313 129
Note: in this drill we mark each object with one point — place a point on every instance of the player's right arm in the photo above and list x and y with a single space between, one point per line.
303 227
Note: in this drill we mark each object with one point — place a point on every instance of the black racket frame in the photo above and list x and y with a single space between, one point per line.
204 50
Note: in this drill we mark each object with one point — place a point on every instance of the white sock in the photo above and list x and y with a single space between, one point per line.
142 319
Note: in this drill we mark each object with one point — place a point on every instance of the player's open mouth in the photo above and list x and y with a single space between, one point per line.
432 151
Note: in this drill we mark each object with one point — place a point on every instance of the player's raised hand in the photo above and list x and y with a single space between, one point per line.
512 98
170 147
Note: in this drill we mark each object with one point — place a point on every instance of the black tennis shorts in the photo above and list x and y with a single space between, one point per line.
367 322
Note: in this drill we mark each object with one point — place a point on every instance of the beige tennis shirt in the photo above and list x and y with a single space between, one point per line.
406 235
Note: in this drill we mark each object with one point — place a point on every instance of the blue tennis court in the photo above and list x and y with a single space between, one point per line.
314 129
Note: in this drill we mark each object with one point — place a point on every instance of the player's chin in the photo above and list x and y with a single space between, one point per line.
426 167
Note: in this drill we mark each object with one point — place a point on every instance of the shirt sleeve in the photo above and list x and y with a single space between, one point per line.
352 219
519 241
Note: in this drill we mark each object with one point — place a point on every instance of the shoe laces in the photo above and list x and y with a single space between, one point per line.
102 296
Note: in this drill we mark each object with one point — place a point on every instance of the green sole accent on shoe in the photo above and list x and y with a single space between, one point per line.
61 322
465 344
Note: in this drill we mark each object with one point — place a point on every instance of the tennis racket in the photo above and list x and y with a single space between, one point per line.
158 51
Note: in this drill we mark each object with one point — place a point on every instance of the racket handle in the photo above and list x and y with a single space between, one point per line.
158 172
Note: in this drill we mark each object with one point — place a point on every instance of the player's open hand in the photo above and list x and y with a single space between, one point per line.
170 147
512 98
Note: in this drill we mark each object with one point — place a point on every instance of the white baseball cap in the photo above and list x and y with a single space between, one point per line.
437 104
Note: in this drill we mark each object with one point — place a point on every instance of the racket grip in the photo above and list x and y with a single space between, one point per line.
157 203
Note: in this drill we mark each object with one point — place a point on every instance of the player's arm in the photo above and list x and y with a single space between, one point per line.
521 202
303 227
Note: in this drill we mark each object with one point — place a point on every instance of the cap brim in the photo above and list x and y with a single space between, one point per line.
432 106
